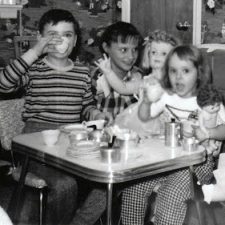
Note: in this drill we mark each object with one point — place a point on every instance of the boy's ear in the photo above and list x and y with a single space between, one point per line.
39 35
105 47
75 41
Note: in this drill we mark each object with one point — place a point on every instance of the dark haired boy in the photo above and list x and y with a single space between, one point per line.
121 42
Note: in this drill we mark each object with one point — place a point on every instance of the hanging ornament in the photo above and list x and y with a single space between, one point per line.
93 8
78 3
119 4
210 6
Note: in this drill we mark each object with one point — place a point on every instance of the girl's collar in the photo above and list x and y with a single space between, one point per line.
59 68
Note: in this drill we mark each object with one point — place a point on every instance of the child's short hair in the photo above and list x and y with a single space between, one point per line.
156 36
120 31
195 55
208 95
54 16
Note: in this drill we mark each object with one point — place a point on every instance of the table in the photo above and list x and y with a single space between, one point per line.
148 158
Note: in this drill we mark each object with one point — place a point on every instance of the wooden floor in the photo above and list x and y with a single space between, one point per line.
214 213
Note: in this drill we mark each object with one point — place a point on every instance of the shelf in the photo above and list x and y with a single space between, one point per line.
9 11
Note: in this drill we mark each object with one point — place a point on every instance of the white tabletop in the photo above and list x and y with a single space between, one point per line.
148 158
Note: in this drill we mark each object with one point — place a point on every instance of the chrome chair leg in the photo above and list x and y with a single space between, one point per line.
42 206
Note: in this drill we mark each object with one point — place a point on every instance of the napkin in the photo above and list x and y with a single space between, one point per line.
213 193
221 162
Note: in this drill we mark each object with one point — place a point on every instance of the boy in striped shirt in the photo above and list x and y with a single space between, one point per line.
58 92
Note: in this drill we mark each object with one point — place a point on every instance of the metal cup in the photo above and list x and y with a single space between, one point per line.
189 144
110 155
172 134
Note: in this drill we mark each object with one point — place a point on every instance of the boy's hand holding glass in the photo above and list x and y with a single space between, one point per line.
46 45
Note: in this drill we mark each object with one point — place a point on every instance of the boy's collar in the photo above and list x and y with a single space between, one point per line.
63 69
127 77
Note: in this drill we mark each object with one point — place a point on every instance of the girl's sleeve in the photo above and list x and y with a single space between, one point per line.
14 76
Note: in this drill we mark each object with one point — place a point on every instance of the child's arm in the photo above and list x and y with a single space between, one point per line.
43 45
201 122
144 110
125 88
15 74
148 108
217 133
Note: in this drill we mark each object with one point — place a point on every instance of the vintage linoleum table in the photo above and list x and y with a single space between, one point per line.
148 158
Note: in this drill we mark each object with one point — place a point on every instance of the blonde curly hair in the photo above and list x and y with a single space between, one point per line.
156 36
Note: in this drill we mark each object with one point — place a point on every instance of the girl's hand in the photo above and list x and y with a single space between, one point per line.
211 147
104 64
153 91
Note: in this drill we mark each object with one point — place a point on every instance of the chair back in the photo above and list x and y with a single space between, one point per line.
11 123
23 43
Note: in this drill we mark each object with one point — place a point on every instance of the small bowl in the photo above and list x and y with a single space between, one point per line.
50 137
126 144
127 140
110 155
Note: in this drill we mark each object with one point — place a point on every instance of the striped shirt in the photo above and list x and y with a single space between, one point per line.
114 103
52 96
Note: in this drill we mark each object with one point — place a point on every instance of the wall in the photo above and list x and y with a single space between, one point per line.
218 68
216 61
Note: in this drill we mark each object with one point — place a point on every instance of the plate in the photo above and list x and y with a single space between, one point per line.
77 154
84 148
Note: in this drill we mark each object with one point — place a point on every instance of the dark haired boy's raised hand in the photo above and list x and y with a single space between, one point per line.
42 46
104 64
